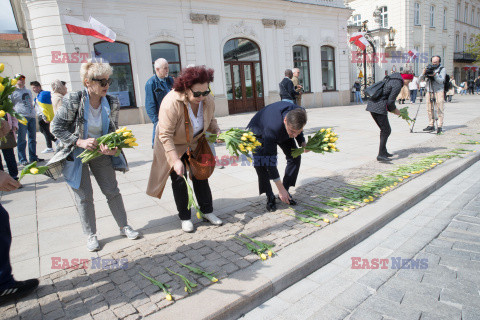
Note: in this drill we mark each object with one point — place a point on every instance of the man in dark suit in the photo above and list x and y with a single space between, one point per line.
156 89
280 123
287 89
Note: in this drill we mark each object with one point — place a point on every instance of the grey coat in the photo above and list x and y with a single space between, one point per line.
390 92
437 83
68 127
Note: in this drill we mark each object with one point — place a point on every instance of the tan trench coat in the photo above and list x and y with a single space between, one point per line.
171 135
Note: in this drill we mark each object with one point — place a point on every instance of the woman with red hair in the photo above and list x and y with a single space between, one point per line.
190 94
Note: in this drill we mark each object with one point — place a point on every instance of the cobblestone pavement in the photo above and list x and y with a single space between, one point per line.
123 293
441 233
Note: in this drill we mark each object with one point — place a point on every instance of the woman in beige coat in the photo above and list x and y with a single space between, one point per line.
190 90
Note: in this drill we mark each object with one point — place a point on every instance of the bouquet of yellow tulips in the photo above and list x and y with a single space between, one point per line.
322 141
237 141
122 138
7 87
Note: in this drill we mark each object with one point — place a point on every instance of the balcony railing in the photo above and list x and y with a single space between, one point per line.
463 57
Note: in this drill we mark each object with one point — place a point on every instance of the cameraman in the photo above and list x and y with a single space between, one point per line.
434 74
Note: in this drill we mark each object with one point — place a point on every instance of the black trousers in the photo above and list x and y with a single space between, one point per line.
6 278
382 121
180 193
9 156
45 130
291 171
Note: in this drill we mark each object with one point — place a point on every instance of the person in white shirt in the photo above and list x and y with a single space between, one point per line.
423 83
413 87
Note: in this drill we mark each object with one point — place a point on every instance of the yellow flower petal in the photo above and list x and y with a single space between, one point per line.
2 67
335 215
169 297
263 256
34 171
214 279
199 215
2 113
270 253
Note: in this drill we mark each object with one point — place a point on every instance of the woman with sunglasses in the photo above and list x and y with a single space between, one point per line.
190 91
82 118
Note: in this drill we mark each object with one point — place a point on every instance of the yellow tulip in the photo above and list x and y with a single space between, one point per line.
325 140
186 289
346 209
245 134
2 113
169 297
250 133
214 279
400 179
14 82
322 130
325 148
249 148
133 144
352 207
366 200
128 141
199 215
329 129
335 215
23 121
243 138
440 161
2 67
263 256
252 139
2 87
1 79
34 171
395 183
127 134
270 253
326 220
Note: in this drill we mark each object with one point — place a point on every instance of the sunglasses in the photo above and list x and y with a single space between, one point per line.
197 94
104 82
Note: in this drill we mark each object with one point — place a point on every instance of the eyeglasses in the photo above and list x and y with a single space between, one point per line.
197 94
104 82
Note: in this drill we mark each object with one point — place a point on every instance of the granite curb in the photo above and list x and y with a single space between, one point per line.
250 287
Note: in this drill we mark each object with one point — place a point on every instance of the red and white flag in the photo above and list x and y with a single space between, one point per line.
413 55
358 38
92 28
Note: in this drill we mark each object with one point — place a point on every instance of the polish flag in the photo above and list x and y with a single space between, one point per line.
358 38
413 55
92 28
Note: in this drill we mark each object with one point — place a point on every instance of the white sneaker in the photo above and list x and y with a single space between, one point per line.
187 225
92 243
48 150
213 219
129 232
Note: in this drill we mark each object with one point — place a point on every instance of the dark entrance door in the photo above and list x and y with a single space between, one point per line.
243 72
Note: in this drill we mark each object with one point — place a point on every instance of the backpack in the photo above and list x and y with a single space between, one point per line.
375 91
447 84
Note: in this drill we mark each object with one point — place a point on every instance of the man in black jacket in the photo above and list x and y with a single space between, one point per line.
280 123
287 89
379 108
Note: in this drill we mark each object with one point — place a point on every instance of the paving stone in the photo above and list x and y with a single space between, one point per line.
365 314
469 313
391 309
453 297
147 309
430 305
353 296
124 311
105 315
393 294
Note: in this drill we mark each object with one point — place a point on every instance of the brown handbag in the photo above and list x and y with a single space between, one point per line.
201 160
9 142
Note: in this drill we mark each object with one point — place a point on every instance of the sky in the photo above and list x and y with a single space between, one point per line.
7 21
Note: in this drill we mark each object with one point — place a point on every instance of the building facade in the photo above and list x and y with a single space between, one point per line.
467 25
249 44
426 27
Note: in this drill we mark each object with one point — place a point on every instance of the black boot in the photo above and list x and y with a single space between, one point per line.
429 128
382 158
271 204
17 290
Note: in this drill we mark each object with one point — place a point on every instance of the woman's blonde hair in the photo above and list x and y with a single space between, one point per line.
58 85
90 70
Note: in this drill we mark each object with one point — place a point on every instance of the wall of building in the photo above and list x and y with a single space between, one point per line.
201 41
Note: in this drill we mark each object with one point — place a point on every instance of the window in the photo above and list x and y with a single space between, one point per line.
168 51
443 54
478 17
458 11
457 42
328 68
301 61
464 43
383 17
432 16
415 62
118 55
357 20
465 15
472 16
431 51
416 15
444 19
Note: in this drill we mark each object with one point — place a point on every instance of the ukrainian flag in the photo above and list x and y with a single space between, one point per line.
44 100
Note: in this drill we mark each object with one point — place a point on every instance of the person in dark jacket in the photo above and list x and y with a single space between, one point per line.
471 86
379 110
156 89
280 123
287 89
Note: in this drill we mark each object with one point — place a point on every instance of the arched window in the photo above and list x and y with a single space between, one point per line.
384 17
328 68
170 52
301 61
118 55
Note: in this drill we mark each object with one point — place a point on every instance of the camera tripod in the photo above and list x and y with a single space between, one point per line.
433 101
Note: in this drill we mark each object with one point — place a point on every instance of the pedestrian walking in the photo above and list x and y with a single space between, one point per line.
287 89
357 93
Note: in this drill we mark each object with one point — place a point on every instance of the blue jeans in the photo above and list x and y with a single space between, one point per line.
31 130
358 97
6 278
153 135
413 95
288 100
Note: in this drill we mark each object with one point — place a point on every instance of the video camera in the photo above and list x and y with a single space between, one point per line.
430 70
